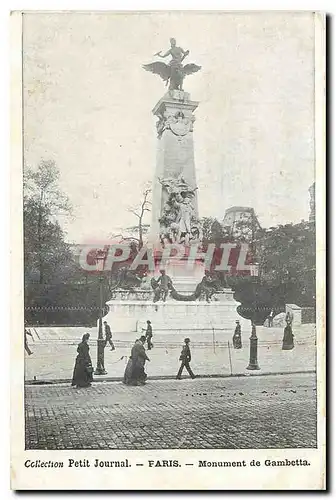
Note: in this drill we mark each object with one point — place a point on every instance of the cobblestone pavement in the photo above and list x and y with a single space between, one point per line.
252 412
54 353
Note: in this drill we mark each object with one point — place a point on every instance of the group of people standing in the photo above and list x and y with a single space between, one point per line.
135 369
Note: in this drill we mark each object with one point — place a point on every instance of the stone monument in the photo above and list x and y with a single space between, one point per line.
184 298
174 205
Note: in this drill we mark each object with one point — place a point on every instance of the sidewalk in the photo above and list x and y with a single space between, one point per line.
53 360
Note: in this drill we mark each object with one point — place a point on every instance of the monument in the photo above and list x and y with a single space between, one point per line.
175 210
182 298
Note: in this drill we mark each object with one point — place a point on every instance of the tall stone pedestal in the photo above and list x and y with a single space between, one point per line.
175 151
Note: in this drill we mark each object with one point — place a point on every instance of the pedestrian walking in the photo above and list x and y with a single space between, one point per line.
270 318
236 339
149 335
135 369
27 349
83 370
108 336
185 359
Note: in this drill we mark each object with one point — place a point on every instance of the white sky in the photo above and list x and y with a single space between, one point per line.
88 106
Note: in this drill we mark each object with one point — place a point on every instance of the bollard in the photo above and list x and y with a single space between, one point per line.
253 364
100 369
101 343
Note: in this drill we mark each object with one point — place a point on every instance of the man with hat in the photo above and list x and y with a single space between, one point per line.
108 336
149 335
185 359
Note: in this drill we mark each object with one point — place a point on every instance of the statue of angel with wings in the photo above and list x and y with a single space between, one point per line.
174 72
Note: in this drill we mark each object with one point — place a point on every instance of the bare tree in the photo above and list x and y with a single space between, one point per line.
140 211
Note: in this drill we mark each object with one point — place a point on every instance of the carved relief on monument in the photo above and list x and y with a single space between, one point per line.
178 223
177 122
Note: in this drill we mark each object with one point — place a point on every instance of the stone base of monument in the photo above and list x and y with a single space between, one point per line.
129 311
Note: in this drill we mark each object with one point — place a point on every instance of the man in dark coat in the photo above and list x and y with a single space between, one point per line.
270 318
135 369
185 359
149 335
108 336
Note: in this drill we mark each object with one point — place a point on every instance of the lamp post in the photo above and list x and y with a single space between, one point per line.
253 363
100 369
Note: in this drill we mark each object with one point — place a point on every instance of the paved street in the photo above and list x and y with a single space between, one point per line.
251 412
54 353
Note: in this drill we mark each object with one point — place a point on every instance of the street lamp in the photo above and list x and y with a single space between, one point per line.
100 260
253 363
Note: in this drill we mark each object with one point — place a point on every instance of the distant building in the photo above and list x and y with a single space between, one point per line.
242 221
312 203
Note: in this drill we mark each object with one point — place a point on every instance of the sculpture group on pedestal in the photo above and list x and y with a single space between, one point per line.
205 290
161 286
178 223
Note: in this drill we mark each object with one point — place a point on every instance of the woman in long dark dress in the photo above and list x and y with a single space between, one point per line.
135 369
288 338
83 371
236 339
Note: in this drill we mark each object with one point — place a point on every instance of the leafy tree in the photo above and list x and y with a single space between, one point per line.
52 294
45 251
214 232
287 254
286 258
245 229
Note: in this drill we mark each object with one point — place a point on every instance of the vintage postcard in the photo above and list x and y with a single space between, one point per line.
168 250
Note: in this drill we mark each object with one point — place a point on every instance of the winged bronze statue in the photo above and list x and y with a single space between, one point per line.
174 72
